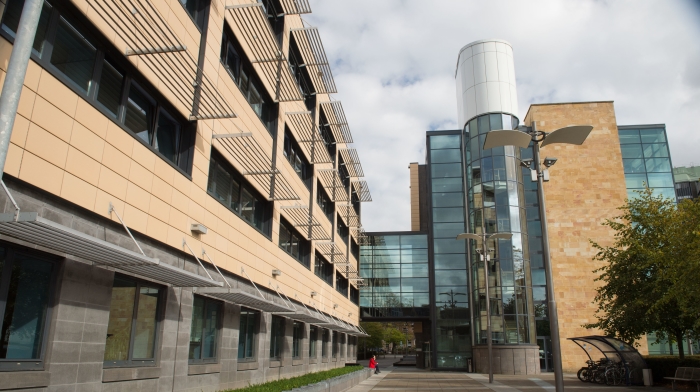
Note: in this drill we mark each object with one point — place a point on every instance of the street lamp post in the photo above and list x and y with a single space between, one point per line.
576 134
483 238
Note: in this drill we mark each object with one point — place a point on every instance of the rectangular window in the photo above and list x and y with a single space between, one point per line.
296 158
247 333
342 230
24 303
335 344
133 323
276 337
275 17
233 191
341 283
241 70
76 53
197 9
301 74
294 243
313 337
355 249
297 339
324 343
323 269
354 295
327 134
205 325
325 203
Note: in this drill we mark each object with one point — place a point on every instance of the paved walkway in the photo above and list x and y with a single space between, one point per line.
417 380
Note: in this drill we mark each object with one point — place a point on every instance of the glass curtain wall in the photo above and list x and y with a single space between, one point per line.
395 269
450 260
646 159
496 201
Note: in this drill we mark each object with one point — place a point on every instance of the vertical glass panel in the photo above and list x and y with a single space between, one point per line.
255 100
444 141
197 328
451 278
448 199
631 150
414 241
447 230
523 329
313 336
121 314
443 170
635 180
211 317
511 329
447 184
450 261
387 242
145 330
445 156
495 120
73 54
414 270
276 336
499 168
507 121
658 165
633 165
660 180
448 215
25 310
110 87
10 22
483 125
653 135
658 150
168 137
484 153
474 148
449 245
629 136
139 114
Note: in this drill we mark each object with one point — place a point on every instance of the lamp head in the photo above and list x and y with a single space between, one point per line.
548 161
526 163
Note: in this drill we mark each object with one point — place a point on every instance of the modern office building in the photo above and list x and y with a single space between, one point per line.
687 181
464 188
182 209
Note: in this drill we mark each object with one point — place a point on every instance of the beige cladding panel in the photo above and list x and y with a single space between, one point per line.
587 186
97 163
415 197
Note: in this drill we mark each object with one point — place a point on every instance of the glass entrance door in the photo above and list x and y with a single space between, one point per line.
545 343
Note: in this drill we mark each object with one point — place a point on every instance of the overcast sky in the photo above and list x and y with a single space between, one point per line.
394 64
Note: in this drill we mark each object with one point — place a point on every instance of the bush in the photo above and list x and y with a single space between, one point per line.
665 365
300 381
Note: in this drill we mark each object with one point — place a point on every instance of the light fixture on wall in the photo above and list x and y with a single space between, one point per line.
198 228
276 272
313 294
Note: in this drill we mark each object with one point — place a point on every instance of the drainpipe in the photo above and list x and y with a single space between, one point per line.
16 71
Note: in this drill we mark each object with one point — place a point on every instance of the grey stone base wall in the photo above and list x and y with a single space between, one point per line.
74 347
508 359
337 384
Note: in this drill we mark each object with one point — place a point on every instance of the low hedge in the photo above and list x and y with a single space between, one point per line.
665 365
299 381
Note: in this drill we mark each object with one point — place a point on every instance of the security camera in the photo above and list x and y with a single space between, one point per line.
526 163
548 162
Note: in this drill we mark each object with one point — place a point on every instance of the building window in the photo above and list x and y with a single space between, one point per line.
325 203
343 173
343 351
323 269
355 249
327 134
342 230
233 191
301 74
204 331
133 323
341 283
354 295
76 54
247 333
198 11
241 70
335 344
275 16
24 303
313 337
276 337
296 158
293 243
297 339
324 343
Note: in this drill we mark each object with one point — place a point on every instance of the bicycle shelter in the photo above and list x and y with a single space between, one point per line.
616 351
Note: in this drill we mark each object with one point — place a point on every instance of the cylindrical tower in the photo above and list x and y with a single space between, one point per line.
487 100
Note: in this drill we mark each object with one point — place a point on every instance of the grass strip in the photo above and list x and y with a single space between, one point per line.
299 381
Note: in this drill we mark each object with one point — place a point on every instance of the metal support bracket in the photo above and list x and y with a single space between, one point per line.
217 268
184 243
111 209
14 203
254 285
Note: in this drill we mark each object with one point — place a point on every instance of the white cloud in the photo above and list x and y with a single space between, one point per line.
394 62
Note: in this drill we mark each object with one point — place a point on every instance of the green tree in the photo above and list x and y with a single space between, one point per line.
642 285
394 335
376 332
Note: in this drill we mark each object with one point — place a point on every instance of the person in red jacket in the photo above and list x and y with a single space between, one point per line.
373 364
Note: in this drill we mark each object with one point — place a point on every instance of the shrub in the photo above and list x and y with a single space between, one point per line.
300 381
665 365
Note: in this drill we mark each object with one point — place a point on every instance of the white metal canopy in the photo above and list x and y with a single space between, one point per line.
244 298
32 228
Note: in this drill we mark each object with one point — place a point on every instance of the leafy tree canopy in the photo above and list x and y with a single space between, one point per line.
652 271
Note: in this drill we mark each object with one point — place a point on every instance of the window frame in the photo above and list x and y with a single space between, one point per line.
297 339
325 339
327 135
16 364
342 284
256 330
313 338
105 51
324 269
324 203
292 150
335 345
304 257
160 308
204 15
243 185
342 229
277 340
219 325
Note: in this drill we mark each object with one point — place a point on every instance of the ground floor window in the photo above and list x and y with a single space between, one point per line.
335 344
324 343
297 338
313 336
133 322
247 332
205 325
276 337
25 288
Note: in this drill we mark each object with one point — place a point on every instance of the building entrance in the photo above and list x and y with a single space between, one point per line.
545 343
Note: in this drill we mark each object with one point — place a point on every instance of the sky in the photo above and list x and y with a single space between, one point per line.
394 63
